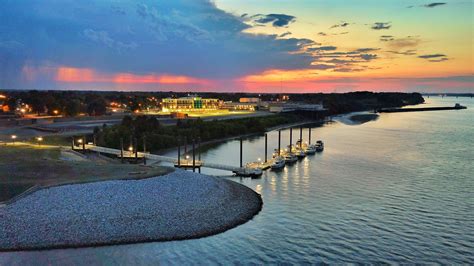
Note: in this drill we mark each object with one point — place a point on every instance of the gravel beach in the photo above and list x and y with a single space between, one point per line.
179 205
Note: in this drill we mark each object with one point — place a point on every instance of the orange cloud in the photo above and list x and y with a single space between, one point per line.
88 75
71 74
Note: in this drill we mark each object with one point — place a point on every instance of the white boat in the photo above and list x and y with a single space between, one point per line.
278 162
250 172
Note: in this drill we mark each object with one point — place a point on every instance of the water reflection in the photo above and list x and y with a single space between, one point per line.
398 190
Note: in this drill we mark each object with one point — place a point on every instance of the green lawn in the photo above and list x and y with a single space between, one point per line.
25 166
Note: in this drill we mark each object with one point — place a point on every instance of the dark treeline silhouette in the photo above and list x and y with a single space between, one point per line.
71 103
162 137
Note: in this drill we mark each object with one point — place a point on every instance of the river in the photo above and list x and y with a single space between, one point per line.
399 189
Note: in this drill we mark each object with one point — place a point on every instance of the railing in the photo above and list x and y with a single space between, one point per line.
160 158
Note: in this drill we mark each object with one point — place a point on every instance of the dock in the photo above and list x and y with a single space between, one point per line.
187 161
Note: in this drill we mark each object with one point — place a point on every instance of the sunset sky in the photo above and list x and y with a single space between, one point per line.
244 45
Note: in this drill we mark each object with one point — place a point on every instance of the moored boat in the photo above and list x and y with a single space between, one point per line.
319 146
278 162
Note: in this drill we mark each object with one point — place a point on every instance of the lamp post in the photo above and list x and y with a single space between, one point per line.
39 139
13 138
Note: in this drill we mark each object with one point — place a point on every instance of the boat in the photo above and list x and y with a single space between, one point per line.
299 150
311 149
300 153
319 146
250 172
290 158
278 162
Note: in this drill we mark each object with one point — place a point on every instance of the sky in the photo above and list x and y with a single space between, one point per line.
291 46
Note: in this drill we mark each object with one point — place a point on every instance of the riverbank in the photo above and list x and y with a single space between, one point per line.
26 167
179 205
220 140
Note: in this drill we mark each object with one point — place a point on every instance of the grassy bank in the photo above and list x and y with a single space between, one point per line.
23 167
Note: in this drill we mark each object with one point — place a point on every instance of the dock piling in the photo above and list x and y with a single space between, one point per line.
179 152
194 155
301 137
199 151
241 153
144 150
309 136
291 139
279 142
185 145
121 150
136 149
266 146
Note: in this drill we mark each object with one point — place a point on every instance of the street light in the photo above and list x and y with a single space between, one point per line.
39 139
13 138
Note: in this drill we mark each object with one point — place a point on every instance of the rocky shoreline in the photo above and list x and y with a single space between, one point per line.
179 205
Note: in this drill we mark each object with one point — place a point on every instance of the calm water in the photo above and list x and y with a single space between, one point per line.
398 189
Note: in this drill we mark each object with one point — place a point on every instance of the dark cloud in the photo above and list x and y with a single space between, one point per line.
192 38
340 25
347 69
277 20
322 48
368 57
434 5
386 38
434 57
429 56
366 50
284 34
407 52
322 66
381 26
439 60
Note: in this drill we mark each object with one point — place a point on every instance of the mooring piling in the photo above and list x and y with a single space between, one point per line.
301 137
179 152
194 155
136 149
241 153
121 150
266 146
309 135
144 150
291 138
279 142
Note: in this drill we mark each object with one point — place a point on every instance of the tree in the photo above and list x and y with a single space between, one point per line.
97 107
72 107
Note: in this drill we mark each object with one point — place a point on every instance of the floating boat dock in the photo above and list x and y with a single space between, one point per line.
192 159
